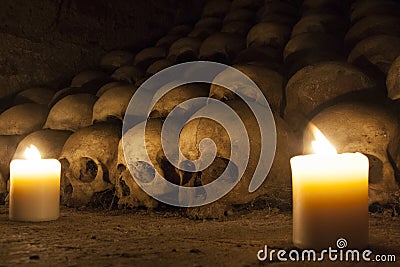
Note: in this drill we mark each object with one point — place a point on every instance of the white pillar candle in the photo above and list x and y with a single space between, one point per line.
34 188
330 199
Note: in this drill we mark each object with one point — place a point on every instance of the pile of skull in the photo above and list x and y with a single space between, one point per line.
329 62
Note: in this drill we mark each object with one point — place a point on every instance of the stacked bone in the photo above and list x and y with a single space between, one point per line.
320 60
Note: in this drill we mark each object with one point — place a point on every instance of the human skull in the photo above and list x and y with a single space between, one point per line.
375 54
184 49
128 191
393 80
268 34
324 23
242 14
361 127
221 47
320 85
23 119
372 25
366 8
282 12
205 27
177 96
108 86
48 142
250 4
310 48
278 181
115 59
86 76
268 81
261 56
148 55
159 65
129 74
71 113
87 159
237 27
214 8
113 103
8 145
38 95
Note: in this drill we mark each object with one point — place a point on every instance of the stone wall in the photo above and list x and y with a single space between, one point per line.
44 42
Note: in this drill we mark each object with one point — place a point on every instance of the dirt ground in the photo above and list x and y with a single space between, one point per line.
142 238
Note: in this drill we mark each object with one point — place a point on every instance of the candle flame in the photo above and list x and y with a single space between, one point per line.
321 145
32 152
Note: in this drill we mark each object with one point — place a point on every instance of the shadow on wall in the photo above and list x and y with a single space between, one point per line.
45 42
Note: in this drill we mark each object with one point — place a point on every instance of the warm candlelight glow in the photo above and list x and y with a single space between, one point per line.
321 145
32 153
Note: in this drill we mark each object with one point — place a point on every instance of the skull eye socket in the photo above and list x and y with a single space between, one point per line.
217 168
375 169
143 171
88 170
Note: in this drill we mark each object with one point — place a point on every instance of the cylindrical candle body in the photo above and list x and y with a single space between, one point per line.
330 200
35 190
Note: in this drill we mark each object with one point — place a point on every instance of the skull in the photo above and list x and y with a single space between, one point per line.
86 76
38 95
323 23
393 80
261 56
113 103
239 15
158 65
71 113
250 4
87 159
375 54
205 27
268 34
319 85
8 145
116 59
283 12
310 48
276 186
177 96
48 142
331 5
362 9
23 119
180 30
221 47
237 27
366 128
148 55
216 8
184 49
370 26
128 191
108 86
129 74
269 82
167 40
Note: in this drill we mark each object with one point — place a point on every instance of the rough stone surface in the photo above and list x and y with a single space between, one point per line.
46 42
121 238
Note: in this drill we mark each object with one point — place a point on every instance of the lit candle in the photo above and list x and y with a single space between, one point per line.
34 188
330 197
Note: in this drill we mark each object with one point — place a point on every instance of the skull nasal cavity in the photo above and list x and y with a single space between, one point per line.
88 170
375 169
143 171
